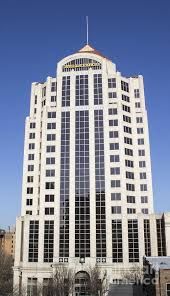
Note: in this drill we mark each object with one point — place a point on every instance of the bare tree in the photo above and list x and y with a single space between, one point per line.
133 275
6 274
97 281
62 283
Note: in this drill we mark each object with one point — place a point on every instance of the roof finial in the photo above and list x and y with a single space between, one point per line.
87 27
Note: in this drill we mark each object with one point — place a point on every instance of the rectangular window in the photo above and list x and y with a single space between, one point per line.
141 152
167 289
129 175
136 93
113 134
32 287
115 196
133 242
50 149
130 199
125 86
139 120
49 198
32 136
53 86
115 171
145 211
29 213
30 156
32 124
142 175
98 91
130 187
144 199
112 83
29 202
126 118
116 210
30 168
137 104
29 190
128 152
49 211
31 146
50 173
114 158
128 141
112 111
53 99
50 160
113 122
131 211
129 163
51 125
140 130
114 146
82 91
48 241
33 241
142 164
51 114
127 129
44 91
143 187
117 242
112 95
115 183
35 101
125 98
51 137
126 108
30 179
50 185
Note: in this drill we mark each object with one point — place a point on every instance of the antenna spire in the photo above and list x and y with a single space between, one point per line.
87 28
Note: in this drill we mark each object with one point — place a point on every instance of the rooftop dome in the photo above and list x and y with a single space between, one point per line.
89 49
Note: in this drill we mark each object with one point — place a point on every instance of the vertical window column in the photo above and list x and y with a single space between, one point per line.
66 91
161 240
117 245
147 238
100 186
133 241
33 241
82 97
82 186
64 185
48 241
98 92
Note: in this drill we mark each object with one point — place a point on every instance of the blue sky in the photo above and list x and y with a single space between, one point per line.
34 35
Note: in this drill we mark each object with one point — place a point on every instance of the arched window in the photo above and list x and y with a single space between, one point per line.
82 283
82 64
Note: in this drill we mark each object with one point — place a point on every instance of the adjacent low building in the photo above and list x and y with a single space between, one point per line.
7 242
157 276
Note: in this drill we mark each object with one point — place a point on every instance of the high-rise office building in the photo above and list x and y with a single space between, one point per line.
87 182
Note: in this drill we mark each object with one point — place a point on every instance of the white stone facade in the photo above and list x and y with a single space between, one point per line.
130 173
